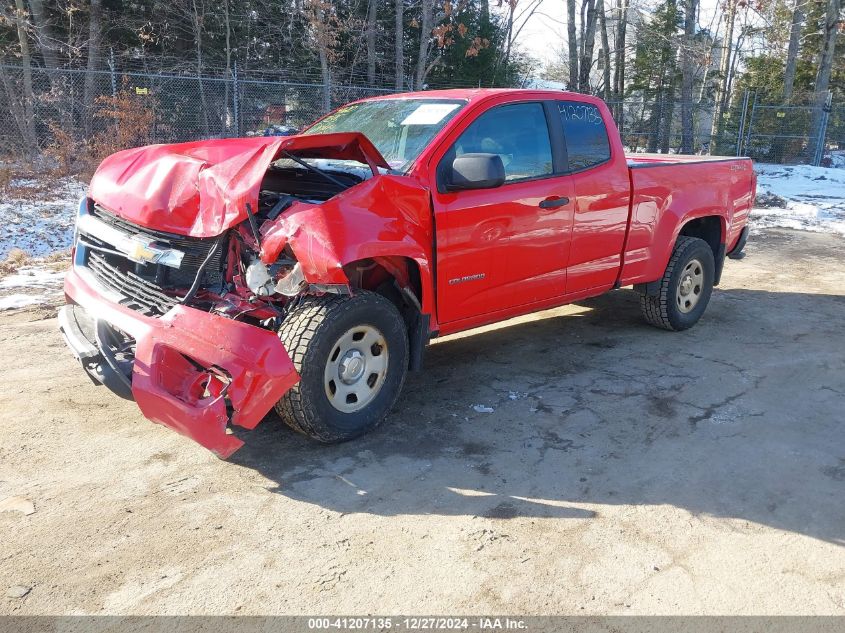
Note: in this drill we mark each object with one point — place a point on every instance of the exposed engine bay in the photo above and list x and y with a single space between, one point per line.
222 274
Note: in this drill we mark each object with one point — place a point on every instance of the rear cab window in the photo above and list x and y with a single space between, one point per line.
585 135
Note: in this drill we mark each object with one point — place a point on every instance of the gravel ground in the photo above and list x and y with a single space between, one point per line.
622 470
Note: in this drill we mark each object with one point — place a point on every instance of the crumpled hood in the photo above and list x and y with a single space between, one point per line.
202 188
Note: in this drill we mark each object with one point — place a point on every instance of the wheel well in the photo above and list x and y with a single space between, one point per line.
379 274
708 228
398 279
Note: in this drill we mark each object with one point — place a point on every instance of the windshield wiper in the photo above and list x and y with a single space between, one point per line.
316 170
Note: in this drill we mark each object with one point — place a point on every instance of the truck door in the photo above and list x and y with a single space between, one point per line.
602 194
504 247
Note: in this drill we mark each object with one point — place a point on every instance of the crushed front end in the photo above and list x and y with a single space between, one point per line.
165 335
188 257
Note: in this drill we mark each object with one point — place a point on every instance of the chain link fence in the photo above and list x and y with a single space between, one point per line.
809 133
80 105
109 109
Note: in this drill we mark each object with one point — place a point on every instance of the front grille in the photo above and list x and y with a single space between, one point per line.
151 289
195 249
136 292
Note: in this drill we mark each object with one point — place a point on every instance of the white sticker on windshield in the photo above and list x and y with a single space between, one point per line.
429 113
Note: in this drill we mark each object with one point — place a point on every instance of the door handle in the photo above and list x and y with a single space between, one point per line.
554 203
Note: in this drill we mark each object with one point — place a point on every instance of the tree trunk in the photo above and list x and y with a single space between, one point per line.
688 69
44 35
670 54
619 62
573 44
94 36
226 105
30 140
17 108
425 36
372 7
605 48
724 71
326 75
399 46
792 51
587 45
198 30
831 30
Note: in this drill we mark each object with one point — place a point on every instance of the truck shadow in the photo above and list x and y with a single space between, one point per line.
740 417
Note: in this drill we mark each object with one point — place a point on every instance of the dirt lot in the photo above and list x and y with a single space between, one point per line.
623 470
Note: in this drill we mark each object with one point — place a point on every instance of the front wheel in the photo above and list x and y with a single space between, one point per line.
685 287
351 353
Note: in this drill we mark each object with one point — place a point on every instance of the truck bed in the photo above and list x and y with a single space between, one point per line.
669 190
652 160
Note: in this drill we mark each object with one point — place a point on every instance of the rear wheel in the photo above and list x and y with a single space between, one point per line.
352 356
685 287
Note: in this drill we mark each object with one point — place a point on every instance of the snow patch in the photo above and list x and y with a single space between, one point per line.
33 277
812 198
12 302
29 286
39 223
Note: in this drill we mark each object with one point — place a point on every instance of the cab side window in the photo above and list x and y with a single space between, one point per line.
587 144
518 133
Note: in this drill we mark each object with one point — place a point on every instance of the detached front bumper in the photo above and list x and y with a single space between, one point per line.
193 371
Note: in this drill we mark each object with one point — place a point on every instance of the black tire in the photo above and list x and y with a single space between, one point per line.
664 309
310 333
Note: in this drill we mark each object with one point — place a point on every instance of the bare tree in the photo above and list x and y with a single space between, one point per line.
399 45
226 103
588 41
324 30
831 30
372 7
26 63
94 37
605 49
572 42
425 43
792 51
619 59
688 70
197 14
44 37
724 72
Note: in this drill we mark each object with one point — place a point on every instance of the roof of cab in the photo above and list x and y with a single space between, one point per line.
480 94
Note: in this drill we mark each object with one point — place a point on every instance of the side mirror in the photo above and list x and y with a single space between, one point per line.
475 171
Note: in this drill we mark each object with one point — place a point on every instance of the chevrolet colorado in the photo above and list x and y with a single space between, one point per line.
214 280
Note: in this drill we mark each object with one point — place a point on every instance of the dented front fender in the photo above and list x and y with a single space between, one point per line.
384 216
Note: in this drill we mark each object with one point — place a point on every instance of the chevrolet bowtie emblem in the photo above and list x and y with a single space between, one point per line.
141 252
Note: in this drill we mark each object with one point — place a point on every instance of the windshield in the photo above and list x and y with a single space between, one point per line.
399 128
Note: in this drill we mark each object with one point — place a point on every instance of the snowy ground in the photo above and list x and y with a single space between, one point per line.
800 197
38 219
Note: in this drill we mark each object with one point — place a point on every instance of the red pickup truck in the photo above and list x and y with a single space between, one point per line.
214 280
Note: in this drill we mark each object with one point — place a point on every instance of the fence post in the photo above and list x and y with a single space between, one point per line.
111 72
822 137
740 133
750 126
235 100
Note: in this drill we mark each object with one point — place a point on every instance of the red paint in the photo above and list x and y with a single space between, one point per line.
166 385
202 188
496 253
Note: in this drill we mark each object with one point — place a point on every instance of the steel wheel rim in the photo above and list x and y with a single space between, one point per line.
690 286
356 368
